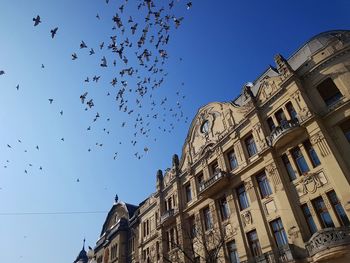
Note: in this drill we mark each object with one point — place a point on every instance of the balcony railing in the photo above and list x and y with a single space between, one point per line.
166 215
280 255
211 181
328 238
285 127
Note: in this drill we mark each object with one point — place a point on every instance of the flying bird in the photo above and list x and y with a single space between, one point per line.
74 56
17 87
54 32
2 72
36 20
83 45
103 62
50 100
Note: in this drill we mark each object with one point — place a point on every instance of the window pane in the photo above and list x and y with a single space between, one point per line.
232 252
264 186
254 243
224 209
188 193
338 208
271 124
280 117
312 153
232 159
289 167
291 110
310 221
322 212
279 233
300 161
242 197
251 147
207 219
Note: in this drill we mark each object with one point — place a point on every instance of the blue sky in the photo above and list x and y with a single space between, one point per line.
223 44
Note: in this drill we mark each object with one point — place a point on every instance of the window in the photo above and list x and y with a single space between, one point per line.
254 243
271 124
214 168
200 180
250 144
289 167
242 197
322 212
232 159
264 186
308 217
312 153
188 193
338 208
232 252
346 129
280 117
192 227
197 259
208 224
291 111
279 233
99 259
329 92
114 251
224 209
205 127
172 238
300 160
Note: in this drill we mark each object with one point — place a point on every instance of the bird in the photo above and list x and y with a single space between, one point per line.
36 20
9 146
37 147
103 62
98 17
17 87
83 45
42 66
2 72
54 32
74 56
50 100
91 52
77 180
61 112
189 5
62 139
83 97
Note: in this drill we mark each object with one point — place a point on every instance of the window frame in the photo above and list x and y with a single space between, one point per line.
188 192
208 221
327 87
224 208
229 154
309 218
264 185
322 212
250 145
299 157
279 232
312 154
245 204
254 244
288 166
338 208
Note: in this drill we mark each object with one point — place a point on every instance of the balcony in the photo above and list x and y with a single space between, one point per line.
167 215
213 184
280 255
282 134
329 243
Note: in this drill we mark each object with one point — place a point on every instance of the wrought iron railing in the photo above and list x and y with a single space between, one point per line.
282 129
167 214
212 180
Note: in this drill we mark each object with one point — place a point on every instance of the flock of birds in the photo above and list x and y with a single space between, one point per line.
136 53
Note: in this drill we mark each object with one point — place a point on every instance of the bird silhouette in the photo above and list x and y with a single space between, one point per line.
53 32
36 20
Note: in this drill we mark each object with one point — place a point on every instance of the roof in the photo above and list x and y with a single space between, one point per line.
82 257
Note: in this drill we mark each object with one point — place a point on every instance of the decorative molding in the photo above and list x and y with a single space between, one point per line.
319 140
272 172
310 183
247 218
304 114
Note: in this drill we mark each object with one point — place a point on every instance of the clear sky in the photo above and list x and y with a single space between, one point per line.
223 44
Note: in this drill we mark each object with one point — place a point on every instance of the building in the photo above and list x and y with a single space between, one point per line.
262 178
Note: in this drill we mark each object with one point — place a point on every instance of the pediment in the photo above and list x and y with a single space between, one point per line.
268 87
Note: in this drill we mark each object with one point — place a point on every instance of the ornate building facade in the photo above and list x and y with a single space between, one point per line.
262 178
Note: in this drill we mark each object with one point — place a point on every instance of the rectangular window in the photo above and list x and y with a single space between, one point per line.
271 124
254 243
322 212
300 160
214 168
232 159
208 224
280 117
224 209
289 167
264 186
232 252
242 197
308 217
312 153
200 179
192 227
338 208
251 147
188 193
346 129
279 233
329 92
291 111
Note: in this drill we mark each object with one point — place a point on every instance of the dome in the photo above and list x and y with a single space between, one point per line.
315 44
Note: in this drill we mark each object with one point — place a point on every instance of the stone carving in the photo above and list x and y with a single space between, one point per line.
310 183
304 114
270 207
283 67
248 185
175 161
273 174
319 140
247 218
293 232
